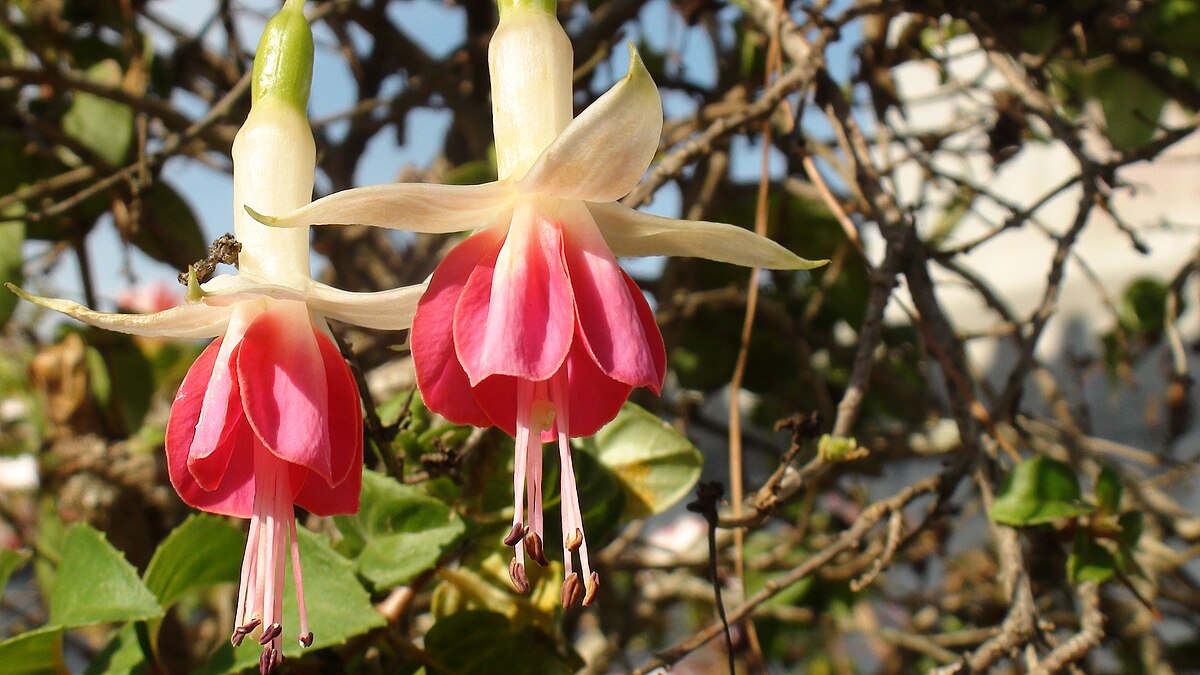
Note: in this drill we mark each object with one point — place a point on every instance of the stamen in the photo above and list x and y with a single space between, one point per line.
536 551
524 400
270 633
304 632
573 540
571 514
593 585
247 571
533 468
516 572
571 590
269 660
517 533
240 632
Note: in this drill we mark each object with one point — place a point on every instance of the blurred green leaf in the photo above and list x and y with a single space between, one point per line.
204 550
398 532
1089 561
1132 105
1143 308
37 652
121 656
478 643
1108 490
12 235
102 125
655 464
96 584
168 230
339 608
1131 523
9 562
122 378
1037 491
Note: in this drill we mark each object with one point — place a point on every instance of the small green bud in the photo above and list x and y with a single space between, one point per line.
511 6
283 63
194 292
839 449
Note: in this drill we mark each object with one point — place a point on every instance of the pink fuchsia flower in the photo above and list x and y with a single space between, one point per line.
530 324
149 298
268 417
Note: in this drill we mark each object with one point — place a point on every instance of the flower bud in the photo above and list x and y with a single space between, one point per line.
283 63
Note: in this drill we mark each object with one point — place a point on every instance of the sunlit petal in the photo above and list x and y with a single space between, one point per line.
440 376
285 393
233 492
384 310
516 316
190 320
417 207
603 153
633 233
609 311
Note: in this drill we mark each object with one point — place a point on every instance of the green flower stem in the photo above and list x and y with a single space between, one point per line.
509 6
283 62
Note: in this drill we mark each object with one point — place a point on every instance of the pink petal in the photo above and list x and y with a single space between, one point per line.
517 318
654 339
345 414
318 498
284 388
440 376
222 409
233 494
594 398
497 396
611 312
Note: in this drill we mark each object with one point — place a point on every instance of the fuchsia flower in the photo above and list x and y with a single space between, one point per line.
530 324
268 417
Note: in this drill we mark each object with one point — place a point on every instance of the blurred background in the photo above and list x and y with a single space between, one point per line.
967 443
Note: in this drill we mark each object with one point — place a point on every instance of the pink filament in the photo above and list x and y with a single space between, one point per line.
272 529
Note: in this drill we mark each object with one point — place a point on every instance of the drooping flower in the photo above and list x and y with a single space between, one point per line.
268 417
530 324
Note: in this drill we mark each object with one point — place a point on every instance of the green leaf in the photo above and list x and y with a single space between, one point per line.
1038 491
9 562
655 464
479 643
1132 523
122 378
121 656
1108 490
97 585
398 532
203 551
1143 308
1089 561
1131 103
168 230
37 652
101 125
12 235
339 608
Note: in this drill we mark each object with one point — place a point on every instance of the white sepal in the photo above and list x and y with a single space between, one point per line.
633 233
383 310
417 207
603 153
189 320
